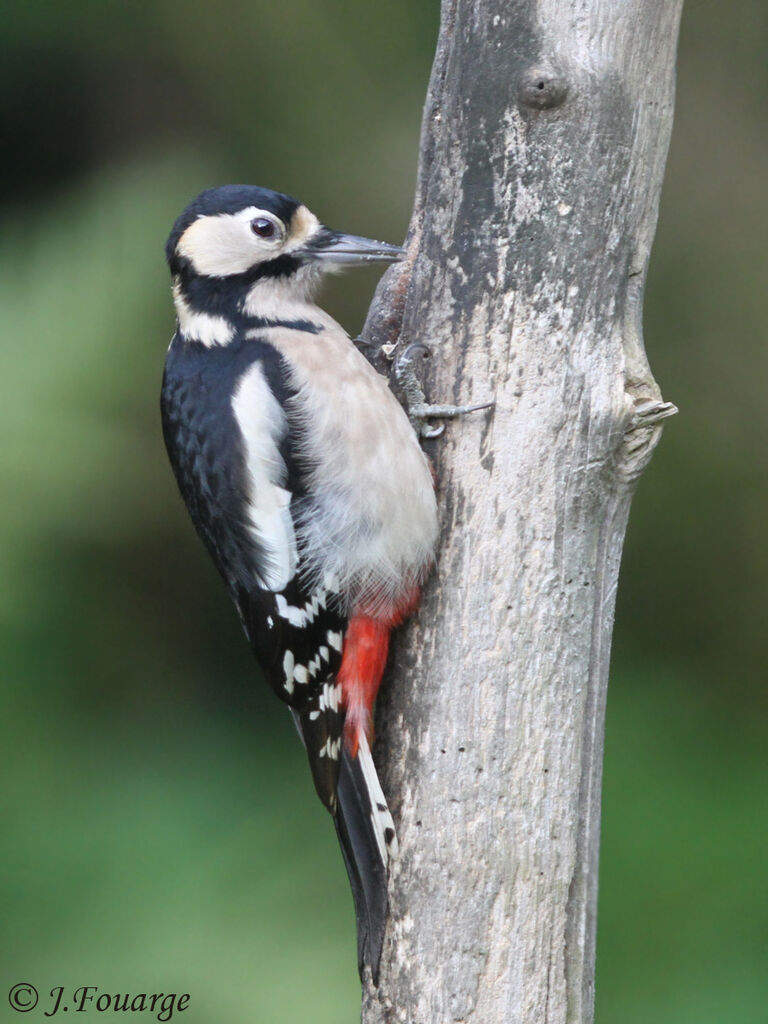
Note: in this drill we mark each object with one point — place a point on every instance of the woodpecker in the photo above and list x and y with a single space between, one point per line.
307 484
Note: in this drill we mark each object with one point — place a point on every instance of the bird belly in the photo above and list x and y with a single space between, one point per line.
369 516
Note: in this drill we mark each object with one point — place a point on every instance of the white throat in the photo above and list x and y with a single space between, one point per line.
284 298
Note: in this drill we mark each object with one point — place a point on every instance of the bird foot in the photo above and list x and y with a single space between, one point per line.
420 412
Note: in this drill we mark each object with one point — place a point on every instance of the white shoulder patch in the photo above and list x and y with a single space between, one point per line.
263 425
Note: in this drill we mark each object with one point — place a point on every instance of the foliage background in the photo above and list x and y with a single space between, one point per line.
160 833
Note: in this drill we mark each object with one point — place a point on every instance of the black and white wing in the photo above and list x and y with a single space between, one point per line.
237 461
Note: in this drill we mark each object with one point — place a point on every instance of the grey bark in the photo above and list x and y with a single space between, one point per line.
544 139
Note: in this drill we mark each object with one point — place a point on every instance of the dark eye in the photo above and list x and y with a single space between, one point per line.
263 227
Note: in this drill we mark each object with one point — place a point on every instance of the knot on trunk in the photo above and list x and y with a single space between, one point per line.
542 88
642 433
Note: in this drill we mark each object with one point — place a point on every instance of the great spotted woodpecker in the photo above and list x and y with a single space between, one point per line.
307 484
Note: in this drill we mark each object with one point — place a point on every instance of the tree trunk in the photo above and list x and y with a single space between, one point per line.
543 146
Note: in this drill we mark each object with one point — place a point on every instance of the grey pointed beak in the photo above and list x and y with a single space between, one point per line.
333 247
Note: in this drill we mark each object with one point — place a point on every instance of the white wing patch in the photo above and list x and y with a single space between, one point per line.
300 674
331 748
330 698
300 617
263 425
288 665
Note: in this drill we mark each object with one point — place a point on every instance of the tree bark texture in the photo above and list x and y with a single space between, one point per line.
544 139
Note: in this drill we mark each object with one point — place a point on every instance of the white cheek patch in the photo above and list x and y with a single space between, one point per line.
224 245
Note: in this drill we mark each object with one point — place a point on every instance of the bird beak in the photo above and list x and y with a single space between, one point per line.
333 247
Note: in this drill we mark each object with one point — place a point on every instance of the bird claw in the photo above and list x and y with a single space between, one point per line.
422 413
419 411
415 347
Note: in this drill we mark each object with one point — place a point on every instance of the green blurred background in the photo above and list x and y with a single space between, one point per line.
159 828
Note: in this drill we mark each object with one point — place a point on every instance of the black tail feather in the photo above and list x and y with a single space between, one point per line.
365 867
366 837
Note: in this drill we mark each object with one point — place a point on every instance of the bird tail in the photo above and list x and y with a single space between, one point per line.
367 837
350 789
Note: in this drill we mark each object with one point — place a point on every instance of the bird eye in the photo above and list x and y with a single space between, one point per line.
264 228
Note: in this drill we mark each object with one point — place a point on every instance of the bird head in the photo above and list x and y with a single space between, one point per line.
237 238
